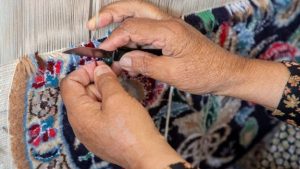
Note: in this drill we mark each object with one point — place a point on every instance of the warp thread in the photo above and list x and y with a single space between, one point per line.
44 26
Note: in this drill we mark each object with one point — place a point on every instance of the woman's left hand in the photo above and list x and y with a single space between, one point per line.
111 123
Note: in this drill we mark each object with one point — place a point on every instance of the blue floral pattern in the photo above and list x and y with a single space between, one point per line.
210 132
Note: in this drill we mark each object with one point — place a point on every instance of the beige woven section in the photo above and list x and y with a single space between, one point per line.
45 26
6 76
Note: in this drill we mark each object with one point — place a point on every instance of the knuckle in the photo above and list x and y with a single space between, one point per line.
105 79
129 26
143 65
179 33
177 26
128 23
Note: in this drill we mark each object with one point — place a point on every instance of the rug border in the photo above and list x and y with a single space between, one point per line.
16 113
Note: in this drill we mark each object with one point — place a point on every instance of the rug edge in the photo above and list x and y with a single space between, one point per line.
16 110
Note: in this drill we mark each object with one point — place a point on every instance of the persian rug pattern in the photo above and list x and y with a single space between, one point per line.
209 131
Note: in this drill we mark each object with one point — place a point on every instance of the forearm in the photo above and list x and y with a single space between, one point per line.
254 80
258 81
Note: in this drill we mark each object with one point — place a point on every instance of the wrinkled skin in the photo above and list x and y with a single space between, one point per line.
115 126
111 123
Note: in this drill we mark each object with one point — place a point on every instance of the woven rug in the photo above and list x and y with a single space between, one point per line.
209 131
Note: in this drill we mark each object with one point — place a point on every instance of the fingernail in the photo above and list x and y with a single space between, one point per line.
100 70
125 62
90 24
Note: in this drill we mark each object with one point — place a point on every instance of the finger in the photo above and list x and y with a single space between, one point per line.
107 83
138 45
74 94
133 74
84 75
147 64
93 92
119 11
116 68
132 45
137 31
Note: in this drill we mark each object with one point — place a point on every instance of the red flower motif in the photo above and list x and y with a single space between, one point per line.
37 135
39 81
224 32
53 67
280 50
34 132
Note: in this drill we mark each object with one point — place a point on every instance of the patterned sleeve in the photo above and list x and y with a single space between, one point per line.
181 165
289 107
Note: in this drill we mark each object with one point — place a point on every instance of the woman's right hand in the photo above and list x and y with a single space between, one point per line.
190 61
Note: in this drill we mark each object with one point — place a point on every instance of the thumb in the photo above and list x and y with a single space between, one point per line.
146 64
107 83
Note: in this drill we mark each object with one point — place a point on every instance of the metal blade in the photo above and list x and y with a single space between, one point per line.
89 52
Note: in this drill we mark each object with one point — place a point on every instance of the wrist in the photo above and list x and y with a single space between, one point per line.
233 74
254 80
154 155
228 71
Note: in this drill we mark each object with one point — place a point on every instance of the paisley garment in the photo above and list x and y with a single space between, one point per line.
209 131
280 149
288 109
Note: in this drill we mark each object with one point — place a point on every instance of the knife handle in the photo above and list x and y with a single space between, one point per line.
117 55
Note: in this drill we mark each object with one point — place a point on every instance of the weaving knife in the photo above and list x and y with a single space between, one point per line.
108 56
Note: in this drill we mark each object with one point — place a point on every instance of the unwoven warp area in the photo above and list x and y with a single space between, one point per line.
209 131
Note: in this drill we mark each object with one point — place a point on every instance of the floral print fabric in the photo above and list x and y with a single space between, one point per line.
288 109
280 149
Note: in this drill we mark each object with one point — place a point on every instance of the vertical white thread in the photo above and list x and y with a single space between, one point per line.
40 25
43 25
168 115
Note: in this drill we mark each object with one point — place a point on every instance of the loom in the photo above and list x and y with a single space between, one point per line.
44 26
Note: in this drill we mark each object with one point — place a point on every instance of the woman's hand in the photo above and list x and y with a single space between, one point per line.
190 61
112 124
